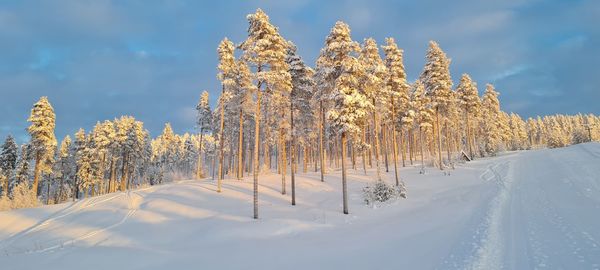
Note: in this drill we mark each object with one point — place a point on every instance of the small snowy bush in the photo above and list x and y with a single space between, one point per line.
381 191
24 197
579 136
5 203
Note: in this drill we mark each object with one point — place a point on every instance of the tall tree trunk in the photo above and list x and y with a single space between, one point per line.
283 162
439 137
315 156
124 172
421 143
305 157
370 142
101 186
256 146
411 144
113 175
402 145
448 141
231 161
36 173
332 153
376 140
293 154
266 140
48 193
240 173
395 154
321 131
214 164
60 189
76 184
353 155
344 185
385 146
199 169
221 142
363 152
469 135
248 156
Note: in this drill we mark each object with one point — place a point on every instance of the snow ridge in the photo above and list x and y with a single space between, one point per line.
490 251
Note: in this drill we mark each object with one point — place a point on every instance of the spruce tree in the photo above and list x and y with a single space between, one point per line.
203 124
300 107
424 114
265 52
79 148
349 111
398 91
470 105
339 48
518 132
8 161
43 142
22 172
491 112
373 86
242 105
64 171
84 163
438 85
226 74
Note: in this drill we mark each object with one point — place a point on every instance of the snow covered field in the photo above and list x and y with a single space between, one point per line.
522 210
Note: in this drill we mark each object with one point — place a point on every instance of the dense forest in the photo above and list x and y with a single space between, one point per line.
355 109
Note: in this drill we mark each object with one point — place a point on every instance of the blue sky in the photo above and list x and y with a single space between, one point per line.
97 60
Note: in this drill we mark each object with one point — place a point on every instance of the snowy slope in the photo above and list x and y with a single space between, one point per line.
522 210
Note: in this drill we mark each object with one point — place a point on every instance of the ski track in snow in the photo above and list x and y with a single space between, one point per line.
521 210
489 251
63 213
133 206
72 209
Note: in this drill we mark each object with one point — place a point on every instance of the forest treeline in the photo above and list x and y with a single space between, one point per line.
355 109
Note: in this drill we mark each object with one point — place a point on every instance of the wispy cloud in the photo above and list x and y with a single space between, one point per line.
100 59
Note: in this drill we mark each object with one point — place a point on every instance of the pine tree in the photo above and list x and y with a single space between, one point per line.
83 162
491 111
64 168
8 161
80 157
4 182
373 86
102 137
339 48
518 132
242 104
438 85
43 141
122 127
398 91
137 138
265 52
165 148
300 107
471 107
349 111
555 132
424 114
203 124
22 172
111 140
227 67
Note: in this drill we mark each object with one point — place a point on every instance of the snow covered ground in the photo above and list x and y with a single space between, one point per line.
522 210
